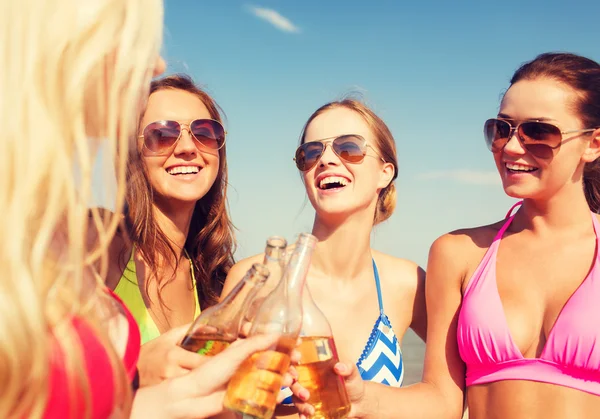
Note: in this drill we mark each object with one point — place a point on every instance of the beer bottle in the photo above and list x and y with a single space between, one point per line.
275 261
253 390
327 390
218 326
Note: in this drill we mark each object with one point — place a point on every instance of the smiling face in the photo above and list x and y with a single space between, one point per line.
187 171
523 174
335 186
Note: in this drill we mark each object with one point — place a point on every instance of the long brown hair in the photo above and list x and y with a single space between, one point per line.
210 241
384 140
583 76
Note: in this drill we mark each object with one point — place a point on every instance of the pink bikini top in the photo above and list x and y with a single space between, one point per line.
571 356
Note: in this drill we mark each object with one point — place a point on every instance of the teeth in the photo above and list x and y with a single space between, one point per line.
182 170
520 167
333 179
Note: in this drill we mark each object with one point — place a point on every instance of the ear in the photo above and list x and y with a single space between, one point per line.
387 174
592 152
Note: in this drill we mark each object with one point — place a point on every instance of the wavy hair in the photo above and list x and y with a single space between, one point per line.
73 72
210 242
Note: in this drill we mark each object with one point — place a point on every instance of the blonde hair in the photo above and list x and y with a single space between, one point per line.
73 73
384 140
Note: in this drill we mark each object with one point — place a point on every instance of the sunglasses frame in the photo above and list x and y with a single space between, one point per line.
514 130
181 128
329 141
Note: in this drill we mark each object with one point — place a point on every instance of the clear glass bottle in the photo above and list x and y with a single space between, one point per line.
253 390
315 370
218 326
275 261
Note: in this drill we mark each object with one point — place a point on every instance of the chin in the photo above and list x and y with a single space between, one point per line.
519 191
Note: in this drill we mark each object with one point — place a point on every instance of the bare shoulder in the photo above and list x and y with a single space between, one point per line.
460 251
400 272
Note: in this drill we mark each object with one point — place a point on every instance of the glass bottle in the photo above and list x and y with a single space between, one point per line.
218 326
327 390
253 390
275 261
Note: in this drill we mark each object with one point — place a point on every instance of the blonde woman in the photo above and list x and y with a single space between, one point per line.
347 160
75 74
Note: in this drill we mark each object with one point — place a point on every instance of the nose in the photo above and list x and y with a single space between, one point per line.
329 157
186 143
513 145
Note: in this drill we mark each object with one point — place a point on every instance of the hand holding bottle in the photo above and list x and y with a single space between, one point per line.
162 358
355 387
199 394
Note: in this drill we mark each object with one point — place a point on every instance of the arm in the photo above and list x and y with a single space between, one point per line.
419 310
440 395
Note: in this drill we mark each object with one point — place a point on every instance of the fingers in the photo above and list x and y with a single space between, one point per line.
245 329
177 356
175 335
295 356
216 371
354 383
300 398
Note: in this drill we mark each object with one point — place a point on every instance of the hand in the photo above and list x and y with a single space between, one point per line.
200 393
163 358
355 387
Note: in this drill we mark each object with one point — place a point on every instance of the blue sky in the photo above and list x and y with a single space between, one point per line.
433 70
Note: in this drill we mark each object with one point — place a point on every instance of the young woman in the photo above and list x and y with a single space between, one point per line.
347 157
514 319
181 237
73 75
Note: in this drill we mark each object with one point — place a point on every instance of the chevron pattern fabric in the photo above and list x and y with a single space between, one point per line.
381 361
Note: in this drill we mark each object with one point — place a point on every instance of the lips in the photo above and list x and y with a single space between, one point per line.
328 181
182 170
519 167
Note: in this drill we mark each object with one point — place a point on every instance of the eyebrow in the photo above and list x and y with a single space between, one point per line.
542 118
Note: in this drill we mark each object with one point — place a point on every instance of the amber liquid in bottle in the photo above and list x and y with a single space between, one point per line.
315 373
205 345
253 390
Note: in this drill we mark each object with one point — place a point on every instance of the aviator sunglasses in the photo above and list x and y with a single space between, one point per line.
160 136
351 148
537 137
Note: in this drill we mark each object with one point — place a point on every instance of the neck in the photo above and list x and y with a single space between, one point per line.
565 210
344 248
174 221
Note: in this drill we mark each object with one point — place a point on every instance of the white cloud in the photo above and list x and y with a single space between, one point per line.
274 18
474 177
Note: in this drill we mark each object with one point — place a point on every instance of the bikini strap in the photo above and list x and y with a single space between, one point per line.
509 219
512 208
379 297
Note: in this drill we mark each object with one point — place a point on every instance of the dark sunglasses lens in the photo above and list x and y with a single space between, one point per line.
308 154
496 133
540 138
350 148
540 132
160 136
210 133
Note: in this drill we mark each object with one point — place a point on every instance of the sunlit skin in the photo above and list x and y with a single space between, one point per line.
341 276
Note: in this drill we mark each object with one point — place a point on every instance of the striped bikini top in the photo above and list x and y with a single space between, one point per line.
128 290
381 360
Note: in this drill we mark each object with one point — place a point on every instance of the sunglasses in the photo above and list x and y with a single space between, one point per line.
161 136
538 138
351 148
